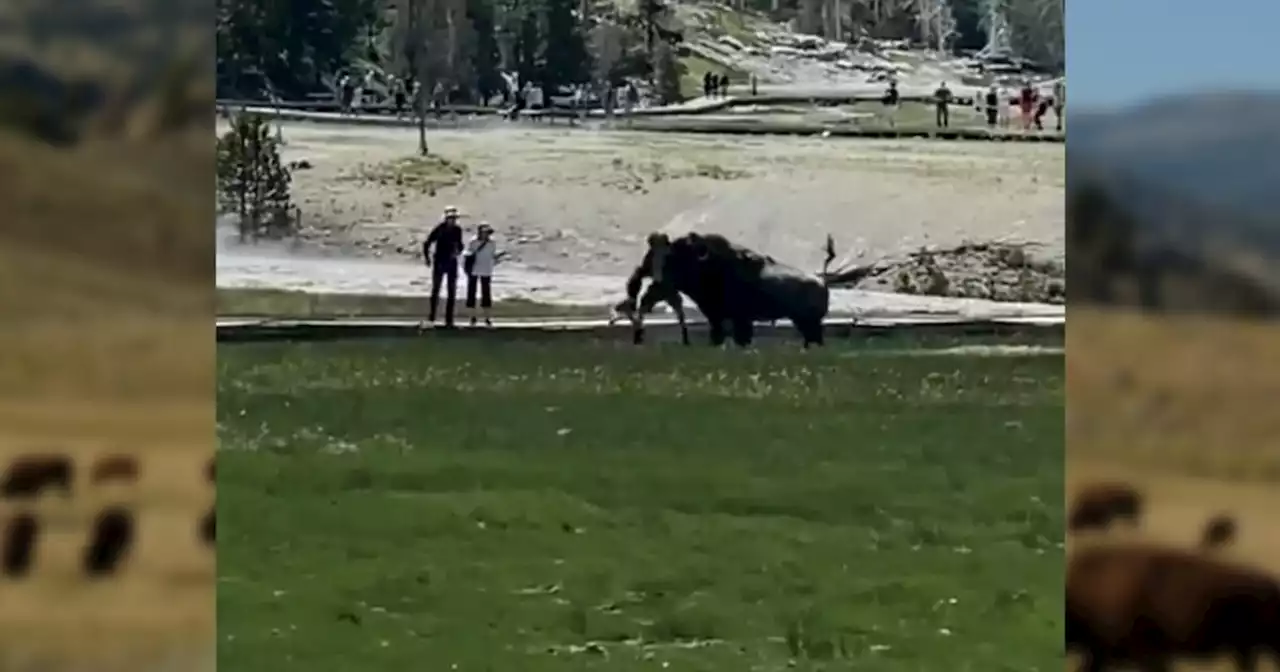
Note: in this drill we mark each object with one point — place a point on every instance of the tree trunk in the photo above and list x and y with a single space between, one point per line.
422 127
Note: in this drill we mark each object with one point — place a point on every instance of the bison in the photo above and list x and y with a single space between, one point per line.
730 285
1144 606
1099 504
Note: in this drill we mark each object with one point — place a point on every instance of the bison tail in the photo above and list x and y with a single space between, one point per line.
830 249
1219 531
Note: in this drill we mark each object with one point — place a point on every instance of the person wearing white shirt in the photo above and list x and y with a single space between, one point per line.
478 261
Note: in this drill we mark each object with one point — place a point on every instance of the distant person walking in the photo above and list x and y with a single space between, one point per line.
942 104
755 85
1026 102
346 90
357 96
993 106
723 86
891 100
632 98
478 263
1059 100
400 96
708 85
446 239
1042 108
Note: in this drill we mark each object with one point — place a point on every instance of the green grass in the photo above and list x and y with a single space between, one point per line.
535 506
425 174
304 305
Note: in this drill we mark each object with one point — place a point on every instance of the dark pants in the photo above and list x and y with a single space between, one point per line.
485 284
444 270
992 116
943 116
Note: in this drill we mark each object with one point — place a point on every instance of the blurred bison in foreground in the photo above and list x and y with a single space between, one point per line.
1146 606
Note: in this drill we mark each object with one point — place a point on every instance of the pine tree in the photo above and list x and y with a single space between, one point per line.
564 56
252 182
485 48
667 72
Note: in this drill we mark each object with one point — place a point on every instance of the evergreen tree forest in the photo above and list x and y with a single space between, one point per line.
291 49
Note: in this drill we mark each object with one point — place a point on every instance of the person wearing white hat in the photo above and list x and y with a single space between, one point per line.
480 258
446 238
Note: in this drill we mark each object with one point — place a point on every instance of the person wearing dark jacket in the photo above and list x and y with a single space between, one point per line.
446 238
993 106
942 102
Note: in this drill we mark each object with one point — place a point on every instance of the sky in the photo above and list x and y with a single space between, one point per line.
1125 51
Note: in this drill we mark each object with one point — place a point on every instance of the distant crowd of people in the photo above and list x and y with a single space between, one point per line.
996 105
717 86
445 251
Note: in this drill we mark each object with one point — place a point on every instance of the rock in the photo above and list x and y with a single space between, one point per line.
733 43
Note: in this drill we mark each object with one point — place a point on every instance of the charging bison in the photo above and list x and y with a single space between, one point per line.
730 284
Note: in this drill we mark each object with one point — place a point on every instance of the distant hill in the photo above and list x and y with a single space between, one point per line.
1221 150
1197 178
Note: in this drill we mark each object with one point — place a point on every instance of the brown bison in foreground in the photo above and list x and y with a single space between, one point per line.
1145 606
1100 504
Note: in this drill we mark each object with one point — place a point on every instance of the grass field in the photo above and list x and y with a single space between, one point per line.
595 506
1184 409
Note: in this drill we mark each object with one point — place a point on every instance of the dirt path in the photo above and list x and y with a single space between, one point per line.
582 201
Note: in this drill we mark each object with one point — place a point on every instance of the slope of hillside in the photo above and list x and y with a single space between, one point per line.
1222 150
786 62
132 207
1195 179
105 273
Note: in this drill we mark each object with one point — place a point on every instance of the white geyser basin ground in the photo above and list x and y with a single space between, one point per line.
273 267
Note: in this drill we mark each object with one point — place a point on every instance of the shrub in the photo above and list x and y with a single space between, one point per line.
252 181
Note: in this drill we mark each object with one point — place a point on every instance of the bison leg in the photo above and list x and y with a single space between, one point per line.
1246 659
677 306
718 334
1156 664
1092 662
810 332
743 331
654 294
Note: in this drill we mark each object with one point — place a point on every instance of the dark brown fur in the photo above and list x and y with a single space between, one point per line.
1218 532
1100 504
110 543
27 476
209 527
20 540
209 472
115 468
1146 606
